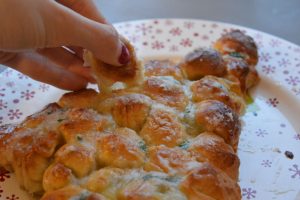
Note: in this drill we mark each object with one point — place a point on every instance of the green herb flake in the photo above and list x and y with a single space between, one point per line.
147 177
60 120
172 179
237 55
82 196
79 137
143 146
150 176
249 100
184 145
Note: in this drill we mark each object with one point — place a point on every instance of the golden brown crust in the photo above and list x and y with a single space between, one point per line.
214 88
170 160
87 98
56 176
106 74
208 147
163 68
167 138
238 44
105 181
207 182
240 71
163 127
119 151
202 62
216 117
131 110
80 159
165 90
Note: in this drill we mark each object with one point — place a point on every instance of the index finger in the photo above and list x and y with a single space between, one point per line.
87 8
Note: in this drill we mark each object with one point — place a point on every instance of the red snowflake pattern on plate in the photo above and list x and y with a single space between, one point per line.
4 174
175 31
261 133
186 42
293 80
2 92
295 171
297 137
22 76
157 45
265 57
188 24
8 72
44 87
296 91
14 114
273 102
144 29
275 43
249 193
12 197
27 94
268 69
266 163
10 84
284 62
3 104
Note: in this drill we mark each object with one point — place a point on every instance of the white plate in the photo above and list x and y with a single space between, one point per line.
271 125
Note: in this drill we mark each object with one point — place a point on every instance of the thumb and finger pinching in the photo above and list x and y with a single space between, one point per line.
66 27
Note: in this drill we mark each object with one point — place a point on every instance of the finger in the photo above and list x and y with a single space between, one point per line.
42 69
62 58
78 51
86 8
76 30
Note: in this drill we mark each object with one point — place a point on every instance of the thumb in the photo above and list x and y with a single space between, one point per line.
66 27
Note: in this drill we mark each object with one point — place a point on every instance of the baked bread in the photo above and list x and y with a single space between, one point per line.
171 134
107 75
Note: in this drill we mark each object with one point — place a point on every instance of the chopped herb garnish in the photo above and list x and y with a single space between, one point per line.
249 99
149 176
79 137
60 120
142 146
237 55
173 179
185 144
82 196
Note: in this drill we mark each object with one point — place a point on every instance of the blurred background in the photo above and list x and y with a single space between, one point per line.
277 17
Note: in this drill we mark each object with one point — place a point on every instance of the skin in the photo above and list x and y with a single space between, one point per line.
44 39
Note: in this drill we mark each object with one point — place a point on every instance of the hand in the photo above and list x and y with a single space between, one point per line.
34 34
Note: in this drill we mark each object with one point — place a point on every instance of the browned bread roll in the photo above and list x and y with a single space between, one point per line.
173 135
202 62
106 75
238 44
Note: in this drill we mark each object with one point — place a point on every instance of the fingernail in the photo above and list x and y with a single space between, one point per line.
124 57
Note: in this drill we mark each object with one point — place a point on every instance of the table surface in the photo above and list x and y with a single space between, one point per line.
277 17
